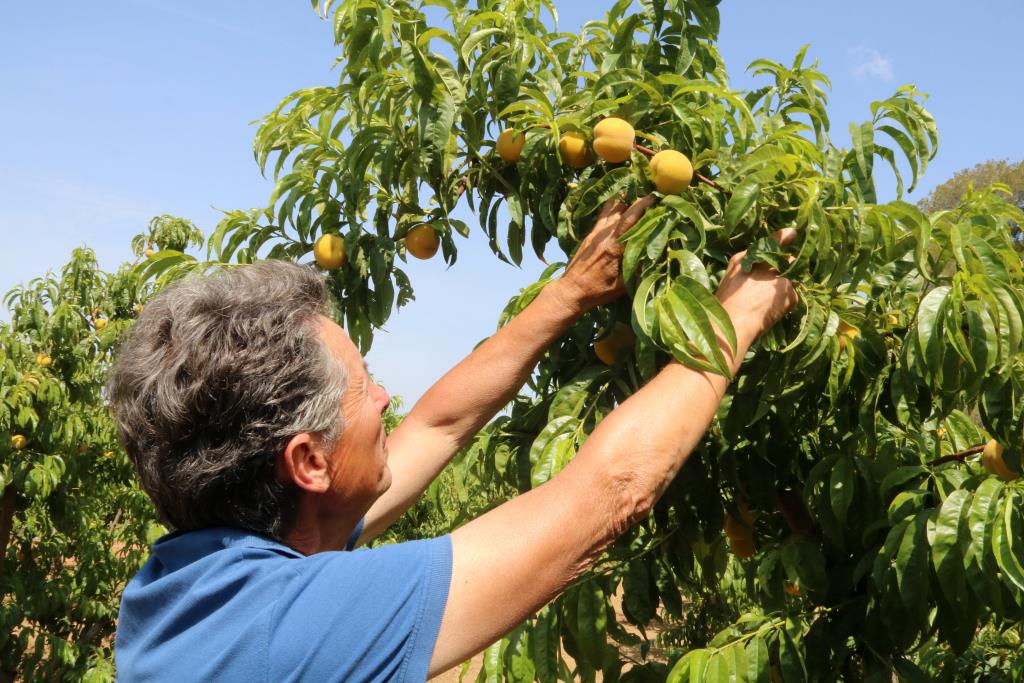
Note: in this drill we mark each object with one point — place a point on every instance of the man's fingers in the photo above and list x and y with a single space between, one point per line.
611 207
785 236
634 212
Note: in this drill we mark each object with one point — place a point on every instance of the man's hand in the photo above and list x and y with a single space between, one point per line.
594 275
755 301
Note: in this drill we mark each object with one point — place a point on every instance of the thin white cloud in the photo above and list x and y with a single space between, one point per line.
866 62
47 216
206 18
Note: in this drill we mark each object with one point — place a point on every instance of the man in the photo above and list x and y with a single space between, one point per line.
256 431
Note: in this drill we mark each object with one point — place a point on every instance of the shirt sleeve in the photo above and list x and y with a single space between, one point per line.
365 615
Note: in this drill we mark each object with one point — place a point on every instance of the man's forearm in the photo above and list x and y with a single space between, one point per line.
515 558
645 441
470 394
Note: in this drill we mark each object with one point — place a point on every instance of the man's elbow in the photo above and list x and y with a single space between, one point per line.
634 484
632 498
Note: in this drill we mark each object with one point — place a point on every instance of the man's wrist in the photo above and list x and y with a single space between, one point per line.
568 296
747 329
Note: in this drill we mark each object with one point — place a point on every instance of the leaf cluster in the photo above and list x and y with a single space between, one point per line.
74 525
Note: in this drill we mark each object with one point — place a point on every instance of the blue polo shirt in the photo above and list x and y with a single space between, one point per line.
226 605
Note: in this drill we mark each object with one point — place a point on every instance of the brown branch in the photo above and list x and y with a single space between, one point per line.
957 456
648 152
6 523
711 183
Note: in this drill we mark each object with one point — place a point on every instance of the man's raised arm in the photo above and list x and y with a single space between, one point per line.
511 561
470 394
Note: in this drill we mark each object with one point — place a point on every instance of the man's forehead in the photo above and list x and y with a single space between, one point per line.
339 340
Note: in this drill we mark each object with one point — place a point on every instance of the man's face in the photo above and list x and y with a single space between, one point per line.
360 472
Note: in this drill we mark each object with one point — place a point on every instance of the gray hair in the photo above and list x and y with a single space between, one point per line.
214 378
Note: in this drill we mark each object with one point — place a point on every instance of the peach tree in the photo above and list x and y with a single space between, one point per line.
835 522
74 524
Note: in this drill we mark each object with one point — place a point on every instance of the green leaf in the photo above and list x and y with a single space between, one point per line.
948 544
552 449
805 566
690 668
1006 530
594 195
841 488
907 146
758 662
791 660
519 664
638 604
573 395
422 75
742 199
930 338
592 621
544 646
911 564
644 318
492 669
733 664
863 139
978 562
685 315
474 39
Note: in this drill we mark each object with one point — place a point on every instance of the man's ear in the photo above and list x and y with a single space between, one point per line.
304 463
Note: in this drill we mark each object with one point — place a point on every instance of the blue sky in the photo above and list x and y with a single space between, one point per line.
118 111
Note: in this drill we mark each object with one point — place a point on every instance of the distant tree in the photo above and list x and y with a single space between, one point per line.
948 194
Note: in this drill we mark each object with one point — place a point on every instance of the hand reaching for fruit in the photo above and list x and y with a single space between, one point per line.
595 271
758 299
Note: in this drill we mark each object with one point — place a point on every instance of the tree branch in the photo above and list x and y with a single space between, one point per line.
957 456
6 523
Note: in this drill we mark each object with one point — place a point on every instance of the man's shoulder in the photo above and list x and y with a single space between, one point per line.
201 595
233 599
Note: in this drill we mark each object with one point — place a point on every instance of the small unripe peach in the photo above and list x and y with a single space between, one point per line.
992 459
329 251
608 346
573 147
742 546
846 332
510 145
422 241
